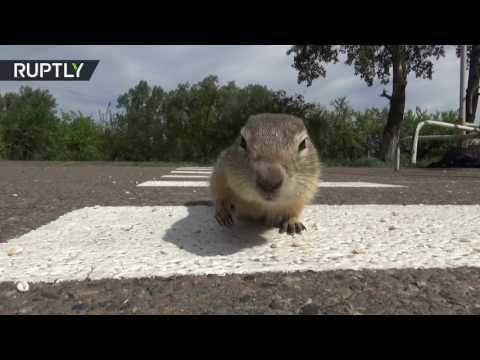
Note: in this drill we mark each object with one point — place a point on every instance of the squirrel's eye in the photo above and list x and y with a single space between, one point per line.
302 145
243 143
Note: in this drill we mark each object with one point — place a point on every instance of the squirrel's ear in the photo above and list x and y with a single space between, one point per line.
303 147
243 132
243 143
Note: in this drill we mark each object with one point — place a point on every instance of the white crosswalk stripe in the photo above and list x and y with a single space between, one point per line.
186 176
125 242
344 184
130 241
192 172
202 173
195 168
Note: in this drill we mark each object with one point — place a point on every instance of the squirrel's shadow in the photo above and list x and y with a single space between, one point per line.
200 234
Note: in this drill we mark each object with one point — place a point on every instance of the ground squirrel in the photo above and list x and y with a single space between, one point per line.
269 174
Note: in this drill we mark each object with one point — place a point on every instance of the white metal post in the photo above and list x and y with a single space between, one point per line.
463 66
462 115
397 157
421 124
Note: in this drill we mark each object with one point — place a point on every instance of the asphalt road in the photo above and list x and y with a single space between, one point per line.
33 194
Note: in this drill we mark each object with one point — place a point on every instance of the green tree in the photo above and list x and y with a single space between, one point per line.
83 137
335 133
177 111
3 148
371 62
140 120
29 124
369 129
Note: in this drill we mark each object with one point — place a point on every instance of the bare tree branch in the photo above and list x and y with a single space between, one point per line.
385 95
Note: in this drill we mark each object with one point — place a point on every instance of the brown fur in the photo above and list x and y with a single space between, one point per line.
272 141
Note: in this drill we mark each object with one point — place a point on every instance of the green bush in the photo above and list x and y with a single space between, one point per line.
194 123
29 124
83 138
3 148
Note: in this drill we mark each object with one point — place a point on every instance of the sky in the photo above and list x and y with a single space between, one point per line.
123 66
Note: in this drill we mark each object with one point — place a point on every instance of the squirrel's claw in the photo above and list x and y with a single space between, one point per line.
291 227
299 227
223 215
224 218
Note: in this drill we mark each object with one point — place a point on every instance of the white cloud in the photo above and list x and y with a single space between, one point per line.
121 67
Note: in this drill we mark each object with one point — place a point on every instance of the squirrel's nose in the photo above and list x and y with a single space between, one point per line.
269 178
269 185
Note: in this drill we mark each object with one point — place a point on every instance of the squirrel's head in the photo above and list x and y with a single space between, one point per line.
279 157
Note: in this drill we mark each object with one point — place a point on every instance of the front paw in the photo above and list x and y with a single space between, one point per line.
224 213
291 226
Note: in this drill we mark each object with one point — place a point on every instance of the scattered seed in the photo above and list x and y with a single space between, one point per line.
356 252
23 286
15 251
298 243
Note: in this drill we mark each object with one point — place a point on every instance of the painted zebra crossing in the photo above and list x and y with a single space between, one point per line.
129 242
105 242
173 180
